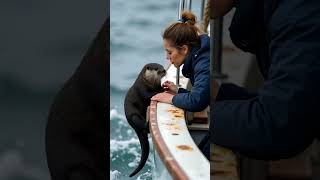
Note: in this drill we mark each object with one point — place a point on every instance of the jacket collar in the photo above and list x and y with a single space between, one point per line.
187 65
194 52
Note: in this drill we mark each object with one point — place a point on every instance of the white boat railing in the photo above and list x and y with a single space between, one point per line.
172 140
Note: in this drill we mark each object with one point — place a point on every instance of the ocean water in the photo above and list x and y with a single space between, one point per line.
136 28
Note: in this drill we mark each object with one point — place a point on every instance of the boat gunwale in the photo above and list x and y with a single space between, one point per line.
165 155
171 161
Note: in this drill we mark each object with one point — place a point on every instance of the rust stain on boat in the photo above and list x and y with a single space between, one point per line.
185 147
175 128
173 110
177 113
172 127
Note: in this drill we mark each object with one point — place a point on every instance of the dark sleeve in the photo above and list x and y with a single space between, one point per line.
229 91
81 173
182 90
278 122
198 98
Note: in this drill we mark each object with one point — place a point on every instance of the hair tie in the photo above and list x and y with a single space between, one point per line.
183 20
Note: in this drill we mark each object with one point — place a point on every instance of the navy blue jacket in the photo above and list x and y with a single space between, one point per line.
283 118
197 68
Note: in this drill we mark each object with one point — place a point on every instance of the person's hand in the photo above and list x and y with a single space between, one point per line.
163 97
170 87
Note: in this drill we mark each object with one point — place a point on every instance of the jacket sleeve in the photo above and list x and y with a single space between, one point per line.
229 91
182 90
199 97
278 122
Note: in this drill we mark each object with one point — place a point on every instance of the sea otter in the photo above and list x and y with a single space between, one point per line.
136 103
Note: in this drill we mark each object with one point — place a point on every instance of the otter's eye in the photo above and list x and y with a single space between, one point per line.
148 68
162 71
156 69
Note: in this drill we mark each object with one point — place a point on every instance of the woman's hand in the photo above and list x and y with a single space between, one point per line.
170 87
163 97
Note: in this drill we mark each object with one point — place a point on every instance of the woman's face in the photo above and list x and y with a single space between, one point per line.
175 55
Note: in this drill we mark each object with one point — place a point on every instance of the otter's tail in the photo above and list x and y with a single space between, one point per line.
144 143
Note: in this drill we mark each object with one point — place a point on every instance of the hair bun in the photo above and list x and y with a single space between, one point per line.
188 17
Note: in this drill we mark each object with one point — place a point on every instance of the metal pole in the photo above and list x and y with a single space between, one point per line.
216 27
188 4
217 48
202 10
181 7
183 4
212 63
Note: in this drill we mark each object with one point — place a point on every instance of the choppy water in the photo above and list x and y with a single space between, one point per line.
136 28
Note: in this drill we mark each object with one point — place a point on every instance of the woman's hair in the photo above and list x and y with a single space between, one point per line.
183 32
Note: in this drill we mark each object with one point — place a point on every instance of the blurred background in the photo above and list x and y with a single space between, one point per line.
41 44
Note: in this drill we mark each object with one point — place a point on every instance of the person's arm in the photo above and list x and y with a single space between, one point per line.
182 90
229 91
278 123
199 97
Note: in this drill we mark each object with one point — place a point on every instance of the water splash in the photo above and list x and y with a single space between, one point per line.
114 175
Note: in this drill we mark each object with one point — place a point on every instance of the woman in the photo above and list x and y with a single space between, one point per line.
184 45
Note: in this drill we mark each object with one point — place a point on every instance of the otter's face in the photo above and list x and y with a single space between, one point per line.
153 73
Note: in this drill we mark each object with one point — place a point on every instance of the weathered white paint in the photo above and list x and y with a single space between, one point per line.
174 132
